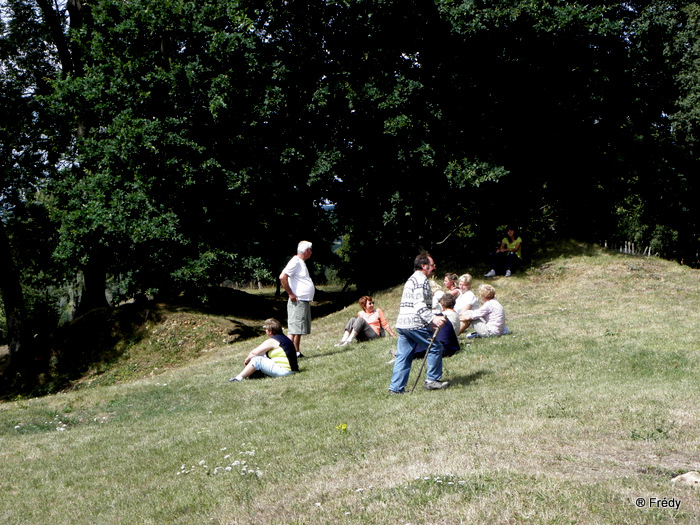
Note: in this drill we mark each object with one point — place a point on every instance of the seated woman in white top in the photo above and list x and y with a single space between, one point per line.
466 301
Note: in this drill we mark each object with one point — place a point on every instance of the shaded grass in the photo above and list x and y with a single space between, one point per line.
588 405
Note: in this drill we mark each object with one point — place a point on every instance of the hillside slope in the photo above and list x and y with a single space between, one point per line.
584 414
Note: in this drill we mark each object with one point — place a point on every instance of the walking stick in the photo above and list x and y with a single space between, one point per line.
425 357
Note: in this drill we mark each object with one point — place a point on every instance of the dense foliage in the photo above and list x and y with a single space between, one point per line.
157 147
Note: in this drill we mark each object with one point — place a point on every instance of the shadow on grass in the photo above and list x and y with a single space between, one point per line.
469 379
99 339
241 331
235 303
335 350
96 338
544 252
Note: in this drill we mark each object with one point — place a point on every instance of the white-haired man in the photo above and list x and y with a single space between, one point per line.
297 282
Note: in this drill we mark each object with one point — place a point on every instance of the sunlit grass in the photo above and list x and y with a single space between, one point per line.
588 405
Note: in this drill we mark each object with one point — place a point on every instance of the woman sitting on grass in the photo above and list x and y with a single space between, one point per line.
490 319
508 255
369 324
466 301
276 357
450 282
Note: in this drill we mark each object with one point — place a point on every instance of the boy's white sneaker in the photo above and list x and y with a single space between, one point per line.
492 273
507 273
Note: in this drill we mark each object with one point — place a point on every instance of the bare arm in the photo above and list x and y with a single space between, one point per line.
284 279
385 323
261 349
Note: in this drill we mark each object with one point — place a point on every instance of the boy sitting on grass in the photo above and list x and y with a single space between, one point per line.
490 319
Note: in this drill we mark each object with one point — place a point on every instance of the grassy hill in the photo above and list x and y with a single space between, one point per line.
589 405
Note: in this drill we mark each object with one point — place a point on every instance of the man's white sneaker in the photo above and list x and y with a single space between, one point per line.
507 273
435 385
492 273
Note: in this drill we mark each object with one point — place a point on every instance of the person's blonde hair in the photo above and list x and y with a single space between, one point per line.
466 278
487 291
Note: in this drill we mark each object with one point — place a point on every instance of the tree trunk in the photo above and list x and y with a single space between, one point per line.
94 274
94 286
13 299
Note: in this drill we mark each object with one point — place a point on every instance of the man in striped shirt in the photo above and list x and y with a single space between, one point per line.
415 325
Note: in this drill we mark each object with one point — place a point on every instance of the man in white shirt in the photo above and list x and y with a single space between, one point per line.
297 282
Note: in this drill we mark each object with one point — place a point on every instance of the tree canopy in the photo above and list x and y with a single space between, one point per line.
168 146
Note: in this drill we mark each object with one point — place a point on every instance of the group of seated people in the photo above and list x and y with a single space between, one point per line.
461 309
276 357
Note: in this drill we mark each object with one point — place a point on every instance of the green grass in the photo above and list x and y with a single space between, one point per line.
590 404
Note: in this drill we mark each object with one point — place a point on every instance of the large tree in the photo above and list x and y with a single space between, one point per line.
197 156
27 64
207 138
660 143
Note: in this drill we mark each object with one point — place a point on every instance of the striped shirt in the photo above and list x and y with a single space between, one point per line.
417 297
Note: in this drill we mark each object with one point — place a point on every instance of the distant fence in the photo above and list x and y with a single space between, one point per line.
629 248
690 257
